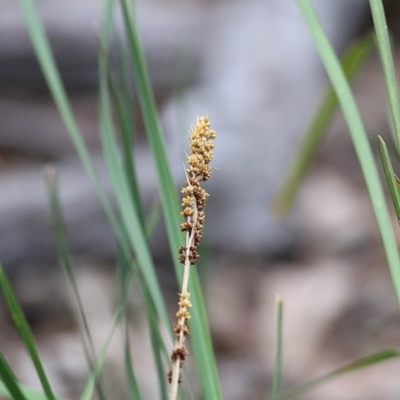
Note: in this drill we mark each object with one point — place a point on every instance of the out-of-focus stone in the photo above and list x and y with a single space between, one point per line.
260 82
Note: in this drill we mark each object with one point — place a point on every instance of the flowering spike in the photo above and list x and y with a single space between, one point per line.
193 204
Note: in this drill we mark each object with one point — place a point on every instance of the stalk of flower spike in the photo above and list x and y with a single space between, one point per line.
193 204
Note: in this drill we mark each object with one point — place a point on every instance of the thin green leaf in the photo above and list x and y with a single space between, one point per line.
127 102
47 63
129 211
390 176
277 377
169 197
64 255
153 218
25 332
201 341
354 366
385 51
126 276
159 350
122 104
352 62
135 229
95 373
29 394
359 138
9 380
52 76
134 390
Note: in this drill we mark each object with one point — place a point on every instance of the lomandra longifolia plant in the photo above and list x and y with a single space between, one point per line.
193 204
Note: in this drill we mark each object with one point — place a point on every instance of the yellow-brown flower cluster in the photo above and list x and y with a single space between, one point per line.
193 204
183 314
181 329
195 197
201 150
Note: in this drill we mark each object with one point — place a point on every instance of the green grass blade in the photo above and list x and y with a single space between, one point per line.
129 211
201 340
63 252
390 176
60 235
25 332
123 105
126 276
47 63
354 366
386 56
352 62
28 393
153 218
359 138
51 74
277 377
169 197
11 386
95 373
157 345
160 353
133 386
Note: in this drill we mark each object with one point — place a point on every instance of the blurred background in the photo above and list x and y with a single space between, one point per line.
252 68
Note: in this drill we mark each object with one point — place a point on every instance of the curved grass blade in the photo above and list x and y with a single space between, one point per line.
359 138
391 178
25 332
123 105
277 377
160 352
169 197
47 63
125 280
11 387
64 255
353 61
133 386
354 366
28 393
201 340
130 212
385 51
125 277
95 373
129 205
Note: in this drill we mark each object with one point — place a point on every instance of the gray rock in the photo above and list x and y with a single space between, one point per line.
260 81
25 219
171 34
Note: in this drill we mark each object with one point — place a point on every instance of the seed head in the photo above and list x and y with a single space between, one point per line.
193 204
195 197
